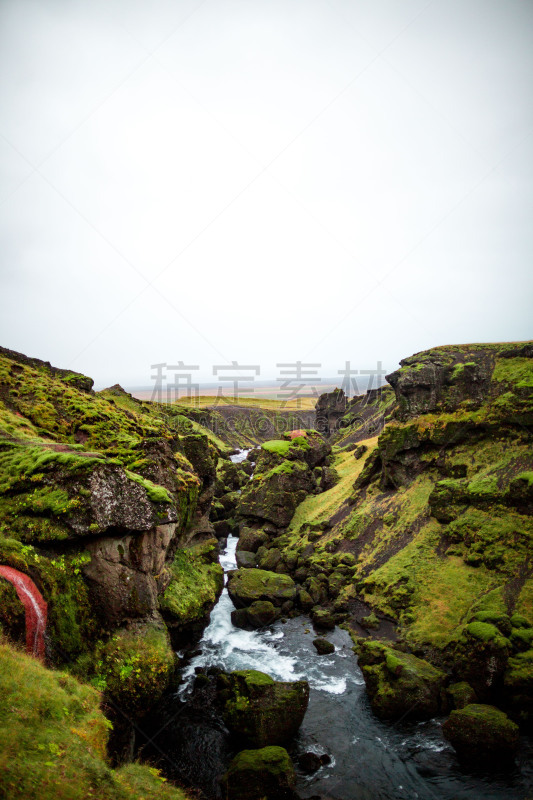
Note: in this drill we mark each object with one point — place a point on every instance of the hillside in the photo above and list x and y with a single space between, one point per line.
426 538
406 515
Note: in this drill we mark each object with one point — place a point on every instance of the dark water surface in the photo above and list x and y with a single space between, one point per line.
370 760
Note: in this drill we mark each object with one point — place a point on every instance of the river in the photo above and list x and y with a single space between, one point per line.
370 760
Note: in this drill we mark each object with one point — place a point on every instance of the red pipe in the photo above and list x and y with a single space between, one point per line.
35 607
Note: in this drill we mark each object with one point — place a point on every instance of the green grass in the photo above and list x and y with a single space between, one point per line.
320 507
53 739
195 585
270 404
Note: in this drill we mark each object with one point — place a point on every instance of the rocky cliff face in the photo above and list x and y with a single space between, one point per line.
426 537
104 502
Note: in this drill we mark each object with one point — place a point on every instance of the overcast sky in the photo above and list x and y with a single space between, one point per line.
263 181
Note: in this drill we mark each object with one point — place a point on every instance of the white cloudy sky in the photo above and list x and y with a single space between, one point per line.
263 180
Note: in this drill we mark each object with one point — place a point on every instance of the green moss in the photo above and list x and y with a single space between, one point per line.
194 588
486 632
134 667
157 494
253 677
275 759
520 671
53 739
519 621
514 371
279 447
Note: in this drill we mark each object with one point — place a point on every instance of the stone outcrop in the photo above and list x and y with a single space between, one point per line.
104 502
265 774
400 684
246 586
482 733
262 711
287 470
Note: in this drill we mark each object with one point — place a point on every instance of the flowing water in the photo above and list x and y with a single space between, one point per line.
370 760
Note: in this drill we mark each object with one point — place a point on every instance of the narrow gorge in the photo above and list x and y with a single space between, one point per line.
234 603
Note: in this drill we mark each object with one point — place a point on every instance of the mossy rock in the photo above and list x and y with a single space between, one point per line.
323 646
195 586
461 694
270 559
370 622
261 711
264 774
258 615
400 684
518 687
252 540
322 619
246 559
305 601
481 733
245 586
480 658
135 667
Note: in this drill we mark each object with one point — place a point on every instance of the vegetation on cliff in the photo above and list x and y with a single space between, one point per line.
429 526
101 498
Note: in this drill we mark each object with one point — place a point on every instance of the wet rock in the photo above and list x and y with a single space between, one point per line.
262 711
322 619
316 590
245 586
252 540
461 694
270 559
305 601
400 684
323 646
309 762
256 774
245 559
258 615
482 733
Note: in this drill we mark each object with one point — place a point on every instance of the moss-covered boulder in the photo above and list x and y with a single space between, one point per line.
283 477
400 684
262 711
323 646
481 733
518 688
264 774
274 495
480 657
246 559
252 539
461 694
246 586
134 667
323 619
258 615
195 585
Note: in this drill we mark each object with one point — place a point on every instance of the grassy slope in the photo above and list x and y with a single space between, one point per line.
207 401
434 577
53 740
